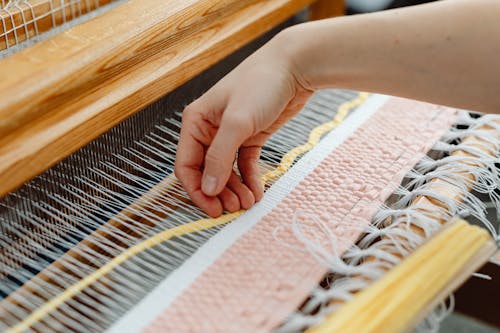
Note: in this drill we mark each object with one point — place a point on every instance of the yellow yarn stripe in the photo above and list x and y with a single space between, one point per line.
394 303
285 163
314 138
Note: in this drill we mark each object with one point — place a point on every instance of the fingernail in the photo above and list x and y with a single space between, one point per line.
209 185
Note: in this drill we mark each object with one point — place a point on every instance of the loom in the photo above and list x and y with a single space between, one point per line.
361 228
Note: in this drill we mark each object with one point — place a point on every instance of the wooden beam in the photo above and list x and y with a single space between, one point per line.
323 9
396 302
63 92
28 19
435 209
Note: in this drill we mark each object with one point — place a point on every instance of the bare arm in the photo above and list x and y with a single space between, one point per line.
447 52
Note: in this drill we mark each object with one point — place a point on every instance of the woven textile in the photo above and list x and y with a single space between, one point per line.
267 273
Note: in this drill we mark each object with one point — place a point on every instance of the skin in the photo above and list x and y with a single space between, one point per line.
446 52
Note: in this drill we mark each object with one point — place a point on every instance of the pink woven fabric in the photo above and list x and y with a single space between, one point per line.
259 281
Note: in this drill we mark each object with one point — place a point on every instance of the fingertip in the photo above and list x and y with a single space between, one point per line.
258 194
214 210
216 173
243 192
210 205
209 185
248 165
230 200
257 188
247 200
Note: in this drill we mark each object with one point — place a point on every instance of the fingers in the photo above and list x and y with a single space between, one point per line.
197 132
191 179
210 205
248 158
189 159
236 195
245 195
220 155
233 197
229 200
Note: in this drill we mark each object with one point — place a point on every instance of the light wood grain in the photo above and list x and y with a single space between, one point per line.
21 22
442 187
395 303
210 32
437 211
439 187
323 9
64 92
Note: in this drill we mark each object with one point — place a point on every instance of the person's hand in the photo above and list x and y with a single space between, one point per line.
232 121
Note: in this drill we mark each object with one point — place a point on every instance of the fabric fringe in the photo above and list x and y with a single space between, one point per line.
392 235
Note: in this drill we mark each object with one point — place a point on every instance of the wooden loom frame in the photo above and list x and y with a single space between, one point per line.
59 111
25 21
94 94
456 277
73 87
155 194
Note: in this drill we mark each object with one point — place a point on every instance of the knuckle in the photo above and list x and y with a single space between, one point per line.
236 119
178 172
188 111
242 124
249 154
212 158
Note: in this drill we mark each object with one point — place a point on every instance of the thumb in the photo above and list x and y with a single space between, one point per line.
220 156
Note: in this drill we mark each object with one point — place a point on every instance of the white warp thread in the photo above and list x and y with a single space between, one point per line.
352 274
164 294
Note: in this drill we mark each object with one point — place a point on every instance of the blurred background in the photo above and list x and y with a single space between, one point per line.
364 6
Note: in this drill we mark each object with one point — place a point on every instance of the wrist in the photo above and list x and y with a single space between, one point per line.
307 48
289 49
328 53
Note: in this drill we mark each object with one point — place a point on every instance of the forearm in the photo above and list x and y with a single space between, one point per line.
446 52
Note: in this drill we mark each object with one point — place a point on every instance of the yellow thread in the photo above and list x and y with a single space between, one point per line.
314 137
286 162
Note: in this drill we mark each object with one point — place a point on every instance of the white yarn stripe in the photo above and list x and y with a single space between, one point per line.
160 298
